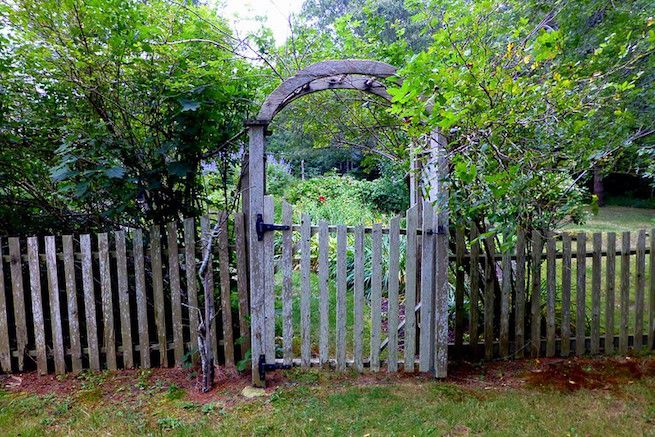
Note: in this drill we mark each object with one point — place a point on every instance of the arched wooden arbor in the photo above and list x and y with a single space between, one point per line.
365 76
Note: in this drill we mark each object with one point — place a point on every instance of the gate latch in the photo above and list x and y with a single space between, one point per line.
262 227
263 367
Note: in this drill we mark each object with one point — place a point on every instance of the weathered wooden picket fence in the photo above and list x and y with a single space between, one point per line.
111 301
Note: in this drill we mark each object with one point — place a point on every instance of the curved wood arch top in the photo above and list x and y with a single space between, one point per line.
343 74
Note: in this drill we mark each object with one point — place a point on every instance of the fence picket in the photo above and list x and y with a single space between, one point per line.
269 285
358 328
460 248
625 293
158 293
176 292
5 348
409 340
610 285
324 298
55 314
504 304
287 291
376 295
595 293
89 302
651 294
191 281
551 274
37 306
641 285
519 306
208 284
17 291
489 297
535 307
580 294
242 282
427 294
566 295
109 340
124 299
71 300
226 301
392 318
305 290
342 239
141 301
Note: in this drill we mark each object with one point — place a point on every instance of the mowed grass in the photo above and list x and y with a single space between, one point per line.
617 219
317 402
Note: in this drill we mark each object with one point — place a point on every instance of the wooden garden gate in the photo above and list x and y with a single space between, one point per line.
426 258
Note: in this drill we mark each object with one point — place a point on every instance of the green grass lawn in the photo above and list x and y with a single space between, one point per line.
589 397
617 219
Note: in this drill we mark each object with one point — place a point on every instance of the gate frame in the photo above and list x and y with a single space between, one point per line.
362 75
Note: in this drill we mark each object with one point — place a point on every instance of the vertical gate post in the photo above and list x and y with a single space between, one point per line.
256 170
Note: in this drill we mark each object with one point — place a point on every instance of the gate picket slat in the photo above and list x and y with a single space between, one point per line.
18 291
109 339
519 307
641 286
550 302
242 282
269 283
158 293
124 299
595 293
208 284
427 280
287 291
535 308
489 275
37 306
89 302
376 295
71 300
409 340
5 348
504 304
625 293
460 247
141 300
305 290
358 304
581 294
341 297
176 293
226 301
394 285
566 294
191 281
610 291
55 315
323 275
651 294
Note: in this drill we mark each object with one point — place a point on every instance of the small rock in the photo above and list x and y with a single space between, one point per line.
253 392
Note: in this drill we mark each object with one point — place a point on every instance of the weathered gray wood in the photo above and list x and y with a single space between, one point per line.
5 349
358 303
376 295
535 308
269 283
489 275
124 300
409 340
71 300
610 284
595 293
394 285
242 281
504 304
208 284
342 239
551 290
566 294
581 294
89 303
442 286
641 286
191 275
427 289
474 273
176 292
158 293
324 302
141 301
255 195
460 248
287 291
651 293
37 306
55 315
226 300
625 293
18 296
305 291
109 339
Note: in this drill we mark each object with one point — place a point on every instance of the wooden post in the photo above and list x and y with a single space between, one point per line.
441 258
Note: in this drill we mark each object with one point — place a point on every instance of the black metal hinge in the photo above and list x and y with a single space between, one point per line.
263 367
262 227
